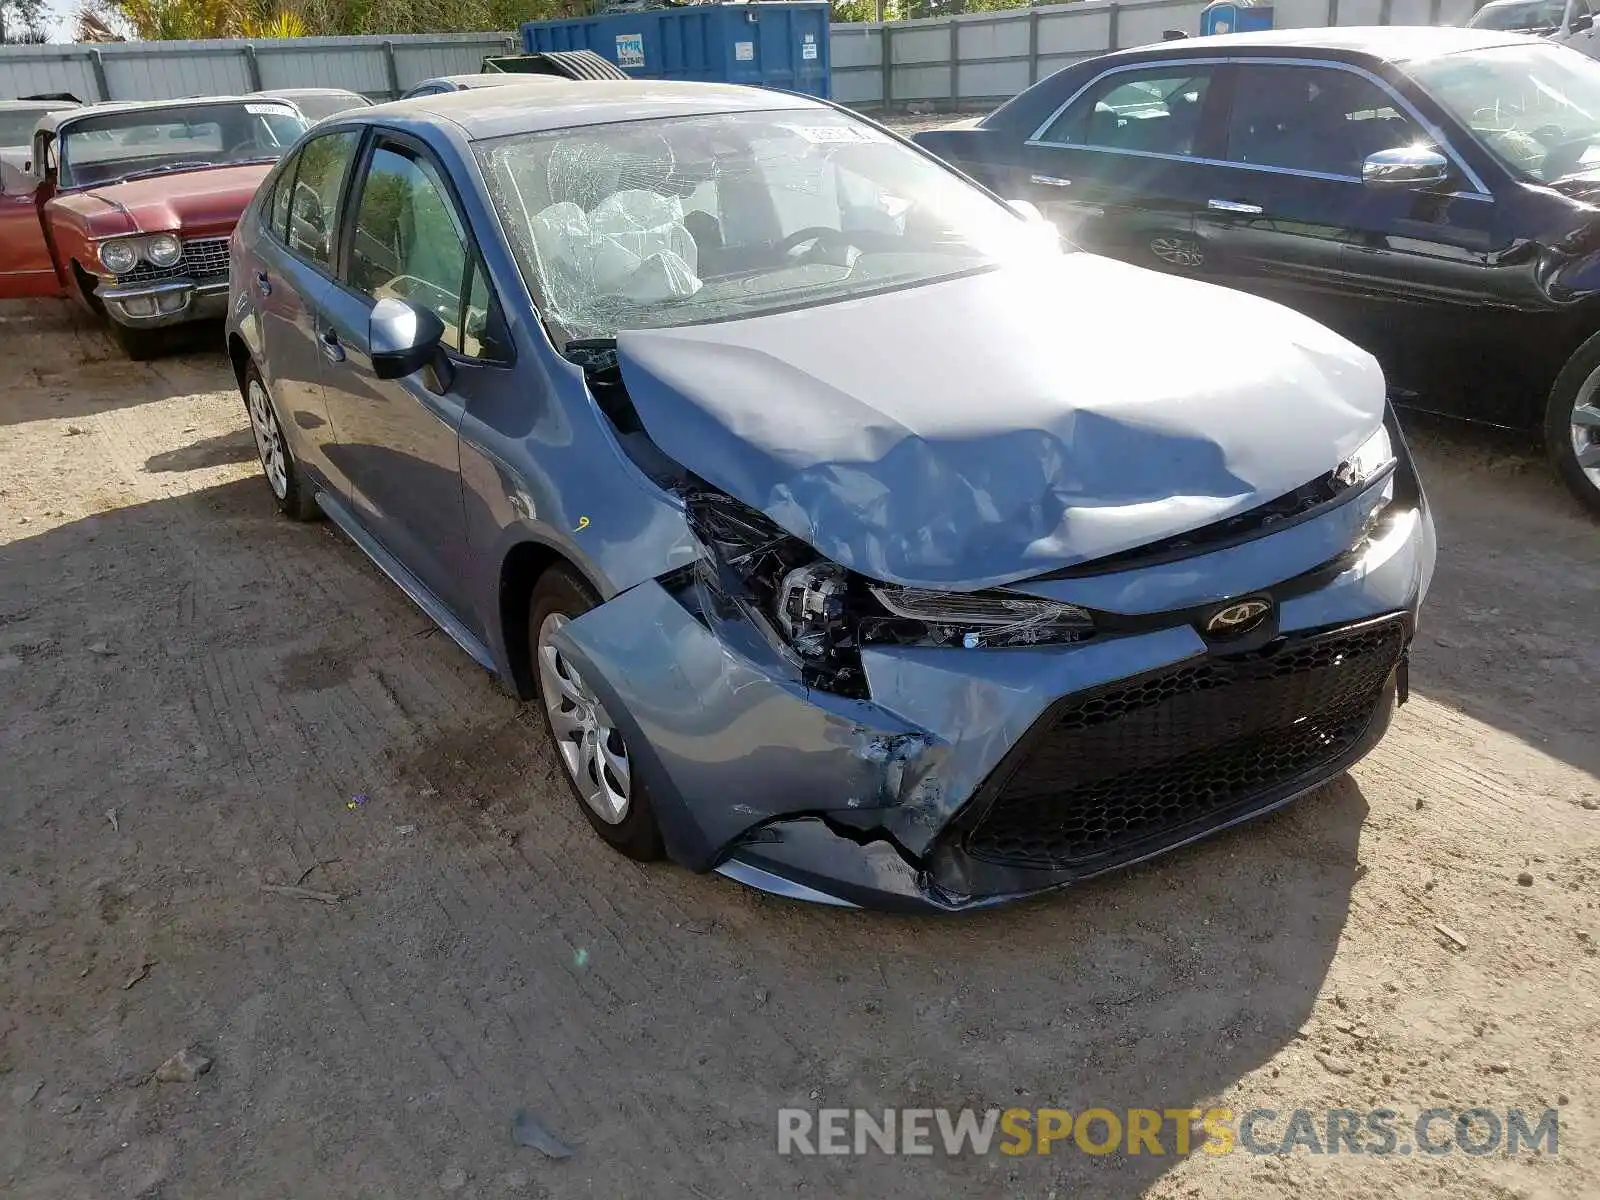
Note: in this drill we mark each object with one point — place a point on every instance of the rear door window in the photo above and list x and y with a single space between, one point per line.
1157 110
314 195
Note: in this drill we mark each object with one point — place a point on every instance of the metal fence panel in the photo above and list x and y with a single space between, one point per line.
1300 14
1140 24
415 62
192 69
362 69
974 59
379 67
1087 31
37 70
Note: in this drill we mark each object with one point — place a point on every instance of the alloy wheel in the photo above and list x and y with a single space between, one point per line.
589 742
1586 429
269 439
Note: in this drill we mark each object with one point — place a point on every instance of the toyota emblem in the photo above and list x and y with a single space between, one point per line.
1239 617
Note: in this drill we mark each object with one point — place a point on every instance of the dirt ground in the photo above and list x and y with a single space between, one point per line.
197 698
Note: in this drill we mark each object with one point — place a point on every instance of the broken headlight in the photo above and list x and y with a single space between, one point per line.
1372 457
987 618
818 614
1373 460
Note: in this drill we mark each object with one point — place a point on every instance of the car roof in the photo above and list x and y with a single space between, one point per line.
573 103
36 105
486 79
290 93
53 122
1385 43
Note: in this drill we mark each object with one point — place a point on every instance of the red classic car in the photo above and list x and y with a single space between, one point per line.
127 208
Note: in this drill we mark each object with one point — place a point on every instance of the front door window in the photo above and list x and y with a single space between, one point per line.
1315 120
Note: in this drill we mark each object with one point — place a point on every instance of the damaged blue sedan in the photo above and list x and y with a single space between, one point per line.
856 538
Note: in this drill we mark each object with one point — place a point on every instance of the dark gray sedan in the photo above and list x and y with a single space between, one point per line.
856 538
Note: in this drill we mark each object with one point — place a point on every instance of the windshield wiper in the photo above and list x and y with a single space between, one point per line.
162 170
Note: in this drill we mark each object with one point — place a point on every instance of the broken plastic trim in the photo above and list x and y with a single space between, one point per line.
822 614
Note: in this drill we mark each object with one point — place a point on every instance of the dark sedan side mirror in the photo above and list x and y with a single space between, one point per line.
1405 167
402 338
1581 21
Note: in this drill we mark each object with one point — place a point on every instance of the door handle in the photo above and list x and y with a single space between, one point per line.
1050 180
331 349
263 284
1234 206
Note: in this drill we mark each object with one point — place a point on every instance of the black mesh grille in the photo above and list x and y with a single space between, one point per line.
1140 761
203 259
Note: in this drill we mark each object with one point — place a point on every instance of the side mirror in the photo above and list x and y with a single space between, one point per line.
1581 21
401 338
1405 167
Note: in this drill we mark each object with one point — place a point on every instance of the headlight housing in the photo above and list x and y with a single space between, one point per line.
817 615
1372 457
119 256
163 250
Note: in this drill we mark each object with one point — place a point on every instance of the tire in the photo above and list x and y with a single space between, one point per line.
141 345
292 492
588 747
1573 415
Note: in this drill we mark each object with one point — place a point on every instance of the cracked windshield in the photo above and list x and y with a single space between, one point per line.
673 222
127 145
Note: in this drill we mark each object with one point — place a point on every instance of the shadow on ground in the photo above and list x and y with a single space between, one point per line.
1506 633
157 662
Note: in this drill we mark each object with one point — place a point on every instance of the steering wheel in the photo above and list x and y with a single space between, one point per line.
820 234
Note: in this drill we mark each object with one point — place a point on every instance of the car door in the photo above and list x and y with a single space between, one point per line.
27 266
290 269
1293 221
1122 166
397 439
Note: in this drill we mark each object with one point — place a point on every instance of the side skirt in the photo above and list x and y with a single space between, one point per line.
407 582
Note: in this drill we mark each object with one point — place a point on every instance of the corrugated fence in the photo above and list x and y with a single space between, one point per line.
966 60
378 67
986 57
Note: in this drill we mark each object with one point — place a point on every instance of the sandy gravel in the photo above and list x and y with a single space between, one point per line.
197 699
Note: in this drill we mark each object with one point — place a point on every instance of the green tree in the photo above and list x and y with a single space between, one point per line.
162 20
23 22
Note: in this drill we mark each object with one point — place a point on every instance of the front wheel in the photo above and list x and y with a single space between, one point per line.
1572 424
594 757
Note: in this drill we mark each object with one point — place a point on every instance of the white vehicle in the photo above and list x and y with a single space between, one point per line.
1568 21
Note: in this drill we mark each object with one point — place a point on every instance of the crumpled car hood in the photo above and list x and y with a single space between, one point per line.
205 200
985 429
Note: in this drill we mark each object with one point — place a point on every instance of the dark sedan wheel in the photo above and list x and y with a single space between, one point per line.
1572 424
288 483
593 755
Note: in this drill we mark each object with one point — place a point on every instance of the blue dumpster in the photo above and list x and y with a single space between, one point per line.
779 45
1234 16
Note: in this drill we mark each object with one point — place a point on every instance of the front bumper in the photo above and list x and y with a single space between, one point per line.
883 802
164 302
